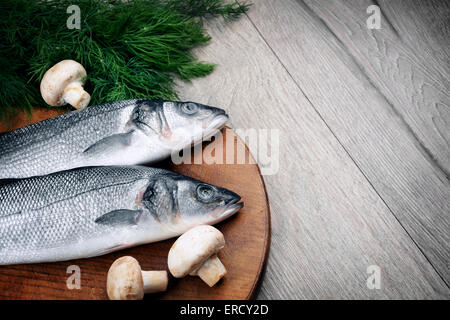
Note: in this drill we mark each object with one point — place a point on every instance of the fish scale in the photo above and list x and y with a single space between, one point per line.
48 145
25 194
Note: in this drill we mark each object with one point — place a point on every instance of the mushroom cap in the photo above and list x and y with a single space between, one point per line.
124 281
56 79
193 248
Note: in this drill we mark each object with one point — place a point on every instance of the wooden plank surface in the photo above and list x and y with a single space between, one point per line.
401 152
328 223
415 86
414 82
424 26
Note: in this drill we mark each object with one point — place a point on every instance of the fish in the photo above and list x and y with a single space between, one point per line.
92 211
128 132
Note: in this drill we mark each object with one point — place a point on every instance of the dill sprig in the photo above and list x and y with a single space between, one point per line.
130 49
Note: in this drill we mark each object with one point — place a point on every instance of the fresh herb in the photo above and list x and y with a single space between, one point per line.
130 49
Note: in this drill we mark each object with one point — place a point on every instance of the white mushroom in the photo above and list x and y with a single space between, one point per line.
195 253
63 83
126 280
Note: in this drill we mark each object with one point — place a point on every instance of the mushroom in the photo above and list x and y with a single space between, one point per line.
63 83
126 280
195 253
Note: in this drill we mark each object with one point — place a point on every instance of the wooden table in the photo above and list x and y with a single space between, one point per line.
364 120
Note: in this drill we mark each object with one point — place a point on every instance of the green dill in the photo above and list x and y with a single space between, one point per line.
130 49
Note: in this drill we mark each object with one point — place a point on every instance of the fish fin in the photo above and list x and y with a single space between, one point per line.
120 217
114 143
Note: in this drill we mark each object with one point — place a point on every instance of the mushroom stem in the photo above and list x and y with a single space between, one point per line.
75 95
211 271
127 281
155 281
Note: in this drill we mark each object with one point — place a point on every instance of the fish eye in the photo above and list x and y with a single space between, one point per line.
189 108
205 192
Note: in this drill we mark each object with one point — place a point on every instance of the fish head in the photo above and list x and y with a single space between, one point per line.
189 122
205 203
186 202
177 124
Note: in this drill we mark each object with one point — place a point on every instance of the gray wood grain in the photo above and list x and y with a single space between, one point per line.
407 67
422 25
328 223
394 146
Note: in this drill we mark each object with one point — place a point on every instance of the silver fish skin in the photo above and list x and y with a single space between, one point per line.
130 132
87 212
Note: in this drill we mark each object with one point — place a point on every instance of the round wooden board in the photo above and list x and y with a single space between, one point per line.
247 237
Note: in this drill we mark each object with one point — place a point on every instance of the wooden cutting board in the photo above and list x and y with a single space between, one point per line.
247 236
